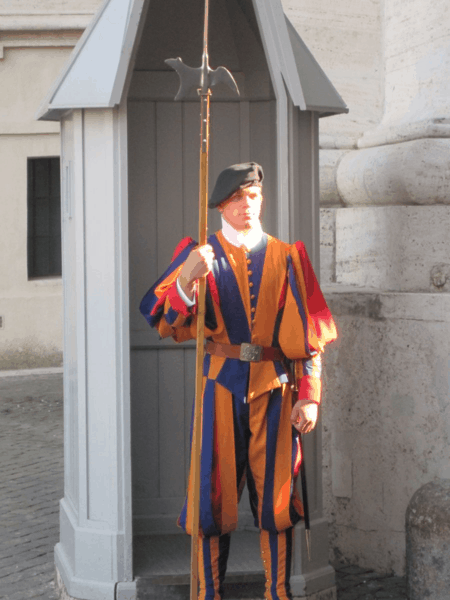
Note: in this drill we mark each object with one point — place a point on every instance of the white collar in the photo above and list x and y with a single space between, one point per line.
249 239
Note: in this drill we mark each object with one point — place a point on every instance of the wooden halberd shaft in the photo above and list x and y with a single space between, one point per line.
202 79
197 435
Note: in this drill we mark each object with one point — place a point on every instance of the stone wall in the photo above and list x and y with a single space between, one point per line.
386 413
386 418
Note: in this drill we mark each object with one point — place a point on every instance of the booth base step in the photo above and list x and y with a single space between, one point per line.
162 567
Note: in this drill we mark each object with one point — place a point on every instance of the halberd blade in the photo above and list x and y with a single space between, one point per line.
193 78
189 77
223 75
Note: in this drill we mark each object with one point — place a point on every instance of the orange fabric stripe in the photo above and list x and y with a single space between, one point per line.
215 365
281 566
283 467
267 561
189 515
263 376
201 570
226 458
273 275
167 282
214 550
257 446
216 491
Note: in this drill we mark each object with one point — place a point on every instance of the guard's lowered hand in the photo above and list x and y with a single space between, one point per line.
198 263
304 415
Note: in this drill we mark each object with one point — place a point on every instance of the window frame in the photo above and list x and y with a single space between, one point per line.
33 273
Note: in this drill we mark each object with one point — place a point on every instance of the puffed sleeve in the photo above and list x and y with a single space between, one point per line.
162 305
307 325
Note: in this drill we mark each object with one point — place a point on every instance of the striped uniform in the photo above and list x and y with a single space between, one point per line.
267 296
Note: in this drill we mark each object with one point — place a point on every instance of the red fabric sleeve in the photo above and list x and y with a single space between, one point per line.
317 306
310 387
176 302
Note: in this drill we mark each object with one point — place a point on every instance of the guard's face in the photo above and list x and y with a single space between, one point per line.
243 209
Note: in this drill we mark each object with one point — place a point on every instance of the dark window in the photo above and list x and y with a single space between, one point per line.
44 217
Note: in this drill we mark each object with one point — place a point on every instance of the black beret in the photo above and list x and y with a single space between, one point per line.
235 178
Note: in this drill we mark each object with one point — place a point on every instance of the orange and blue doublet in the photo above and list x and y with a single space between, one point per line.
267 296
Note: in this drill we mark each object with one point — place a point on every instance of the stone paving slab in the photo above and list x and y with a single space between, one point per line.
356 583
31 484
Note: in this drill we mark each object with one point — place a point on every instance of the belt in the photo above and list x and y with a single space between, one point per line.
245 352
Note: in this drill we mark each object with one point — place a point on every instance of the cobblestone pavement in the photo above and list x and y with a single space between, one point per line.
31 484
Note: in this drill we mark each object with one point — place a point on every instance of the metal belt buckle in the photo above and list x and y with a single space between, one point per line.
250 352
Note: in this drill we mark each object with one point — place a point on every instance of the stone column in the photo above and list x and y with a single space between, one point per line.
427 542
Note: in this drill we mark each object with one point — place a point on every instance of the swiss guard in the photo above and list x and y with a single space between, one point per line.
266 326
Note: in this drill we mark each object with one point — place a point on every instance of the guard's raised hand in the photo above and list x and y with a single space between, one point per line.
198 263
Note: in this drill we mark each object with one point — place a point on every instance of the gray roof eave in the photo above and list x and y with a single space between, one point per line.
319 93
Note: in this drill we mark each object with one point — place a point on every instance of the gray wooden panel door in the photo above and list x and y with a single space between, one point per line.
163 198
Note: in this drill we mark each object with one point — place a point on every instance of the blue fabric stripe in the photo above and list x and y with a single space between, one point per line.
257 255
272 419
293 514
206 364
224 550
206 510
231 303
279 368
149 300
210 315
287 585
241 411
234 377
298 300
307 364
275 564
171 316
206 460
253 496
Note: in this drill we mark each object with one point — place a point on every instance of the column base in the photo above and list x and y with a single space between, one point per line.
125 590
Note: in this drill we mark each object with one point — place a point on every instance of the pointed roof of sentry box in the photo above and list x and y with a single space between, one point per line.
95 74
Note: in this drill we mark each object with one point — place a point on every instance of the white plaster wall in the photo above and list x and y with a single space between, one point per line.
42 7
31 311
26 75
46 15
